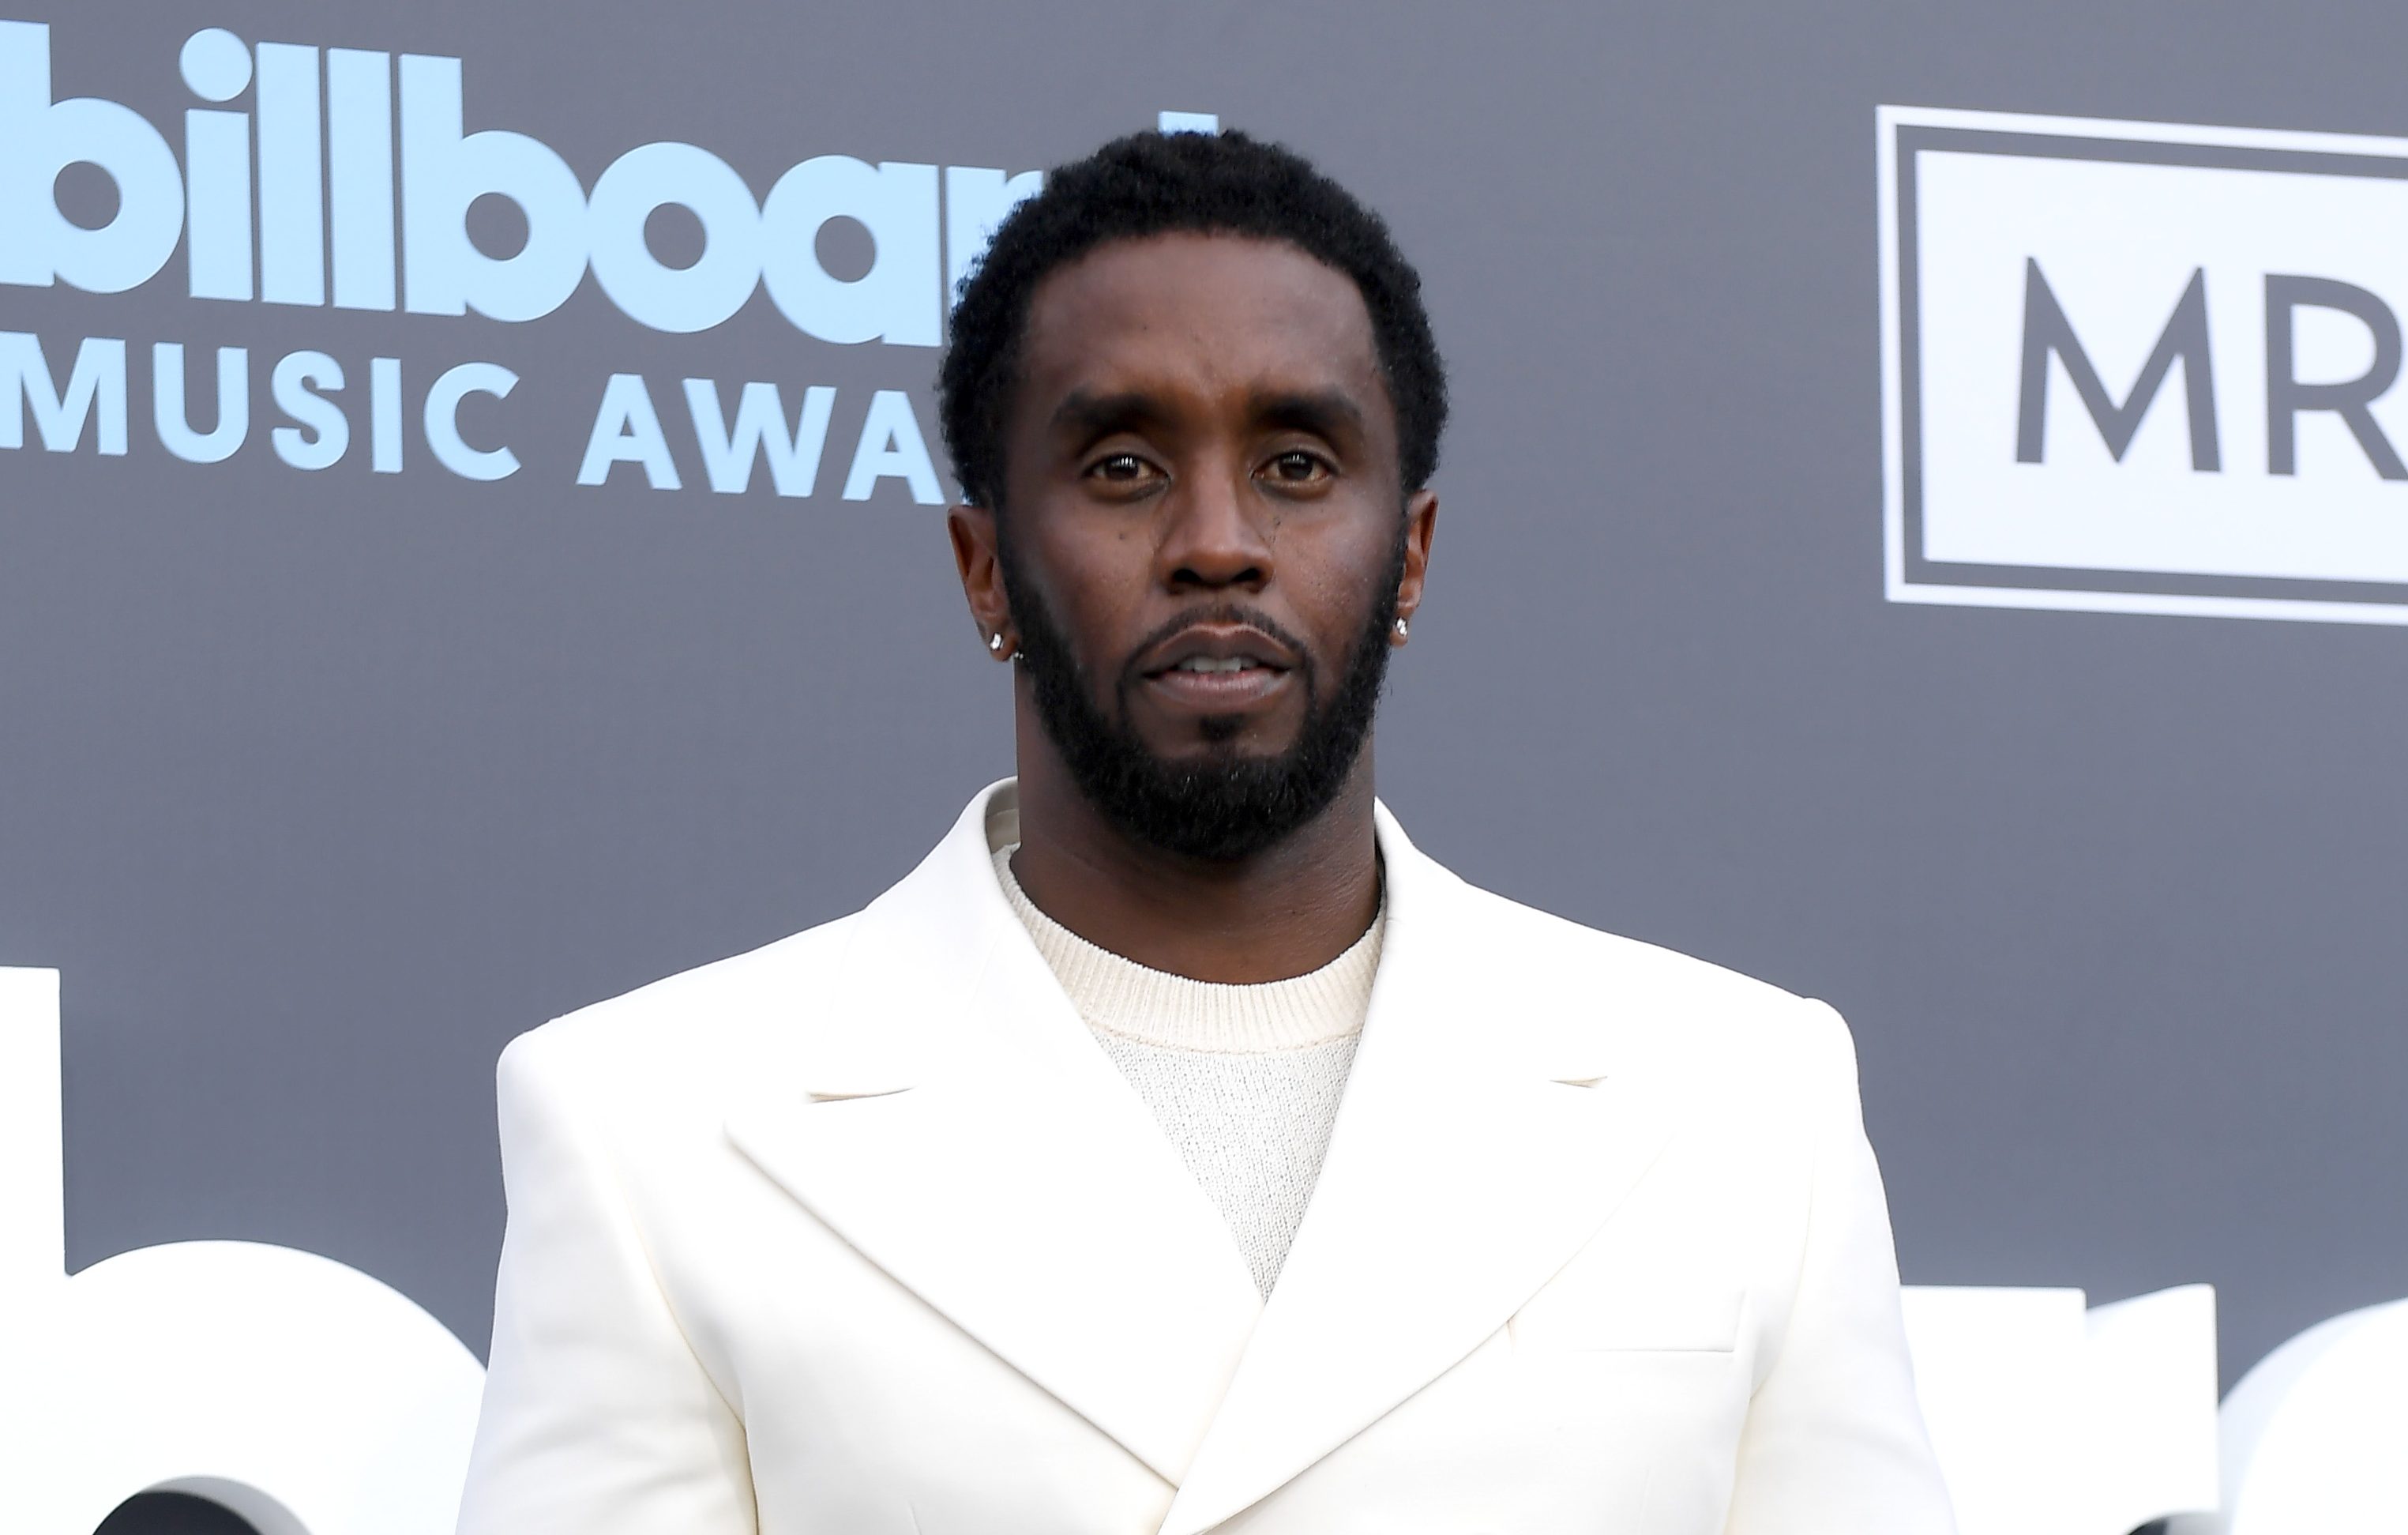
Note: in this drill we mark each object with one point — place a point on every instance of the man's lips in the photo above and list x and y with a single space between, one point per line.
1217 667
1216 649
1216 692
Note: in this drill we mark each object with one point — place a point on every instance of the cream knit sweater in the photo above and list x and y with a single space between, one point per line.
1244 1079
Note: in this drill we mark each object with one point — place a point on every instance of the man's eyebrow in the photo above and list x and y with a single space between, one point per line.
1087 416
1327 413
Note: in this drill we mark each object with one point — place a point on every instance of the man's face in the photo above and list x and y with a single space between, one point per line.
1204 542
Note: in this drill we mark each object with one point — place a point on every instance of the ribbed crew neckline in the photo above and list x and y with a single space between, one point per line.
1117 996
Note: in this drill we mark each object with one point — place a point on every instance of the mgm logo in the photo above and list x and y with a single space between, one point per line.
2142 367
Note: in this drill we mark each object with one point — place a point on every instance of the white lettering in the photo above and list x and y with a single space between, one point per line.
442 172
359 155
760 430
304 1395
891 445
627 430
96 388
898 299
2046 1416
2312 1434
174 422
671 298
442 421
292 206
37 243
216 65
384 415
308 211
321 437
217 225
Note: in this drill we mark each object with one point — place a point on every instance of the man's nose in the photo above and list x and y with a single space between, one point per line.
1217 536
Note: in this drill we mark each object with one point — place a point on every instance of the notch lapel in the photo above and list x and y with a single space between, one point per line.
955 1123
1478 1147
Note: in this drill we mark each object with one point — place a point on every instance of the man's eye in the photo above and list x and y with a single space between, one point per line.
1119 467
1298 468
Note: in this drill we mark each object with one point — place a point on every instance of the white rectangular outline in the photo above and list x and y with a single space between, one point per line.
1888 120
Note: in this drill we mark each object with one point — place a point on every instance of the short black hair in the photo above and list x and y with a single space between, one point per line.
1156 183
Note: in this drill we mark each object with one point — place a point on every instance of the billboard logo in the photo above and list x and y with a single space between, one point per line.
344 179
2143 367
366 172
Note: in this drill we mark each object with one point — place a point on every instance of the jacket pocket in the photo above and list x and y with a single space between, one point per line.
1630 1318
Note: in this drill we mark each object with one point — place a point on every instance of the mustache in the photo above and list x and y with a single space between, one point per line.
1220 612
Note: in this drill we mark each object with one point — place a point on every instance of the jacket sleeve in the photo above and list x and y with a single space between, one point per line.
1834 1439
598 1419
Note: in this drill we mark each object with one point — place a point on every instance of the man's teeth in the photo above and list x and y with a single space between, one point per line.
1213 662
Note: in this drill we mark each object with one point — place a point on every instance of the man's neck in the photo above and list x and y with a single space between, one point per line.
1284 911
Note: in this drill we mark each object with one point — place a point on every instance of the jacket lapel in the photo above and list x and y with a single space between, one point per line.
952 1120
1480 1144
957 1123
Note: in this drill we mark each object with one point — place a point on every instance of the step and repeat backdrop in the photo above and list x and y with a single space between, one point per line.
1926 524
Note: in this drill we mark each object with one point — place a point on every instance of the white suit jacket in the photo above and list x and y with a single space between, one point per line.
862 1234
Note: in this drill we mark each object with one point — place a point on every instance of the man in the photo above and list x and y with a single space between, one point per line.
1177 1148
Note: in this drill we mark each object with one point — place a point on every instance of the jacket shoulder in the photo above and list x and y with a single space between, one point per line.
1595 980
692 1023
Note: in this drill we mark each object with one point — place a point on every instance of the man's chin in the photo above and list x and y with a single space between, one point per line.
1172 734
1230 755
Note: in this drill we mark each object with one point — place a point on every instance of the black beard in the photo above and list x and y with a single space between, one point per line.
1224 807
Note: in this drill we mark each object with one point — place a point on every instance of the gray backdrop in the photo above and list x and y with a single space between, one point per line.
319 788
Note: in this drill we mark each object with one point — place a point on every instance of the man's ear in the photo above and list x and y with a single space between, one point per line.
1421 527
980 562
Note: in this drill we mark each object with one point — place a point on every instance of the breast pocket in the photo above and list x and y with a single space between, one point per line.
1624 1317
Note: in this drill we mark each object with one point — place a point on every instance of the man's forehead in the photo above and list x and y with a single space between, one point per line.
1196 311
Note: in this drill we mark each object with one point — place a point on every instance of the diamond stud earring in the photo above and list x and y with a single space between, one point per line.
995 642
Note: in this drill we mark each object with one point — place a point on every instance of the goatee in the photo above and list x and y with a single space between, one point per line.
1225 805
